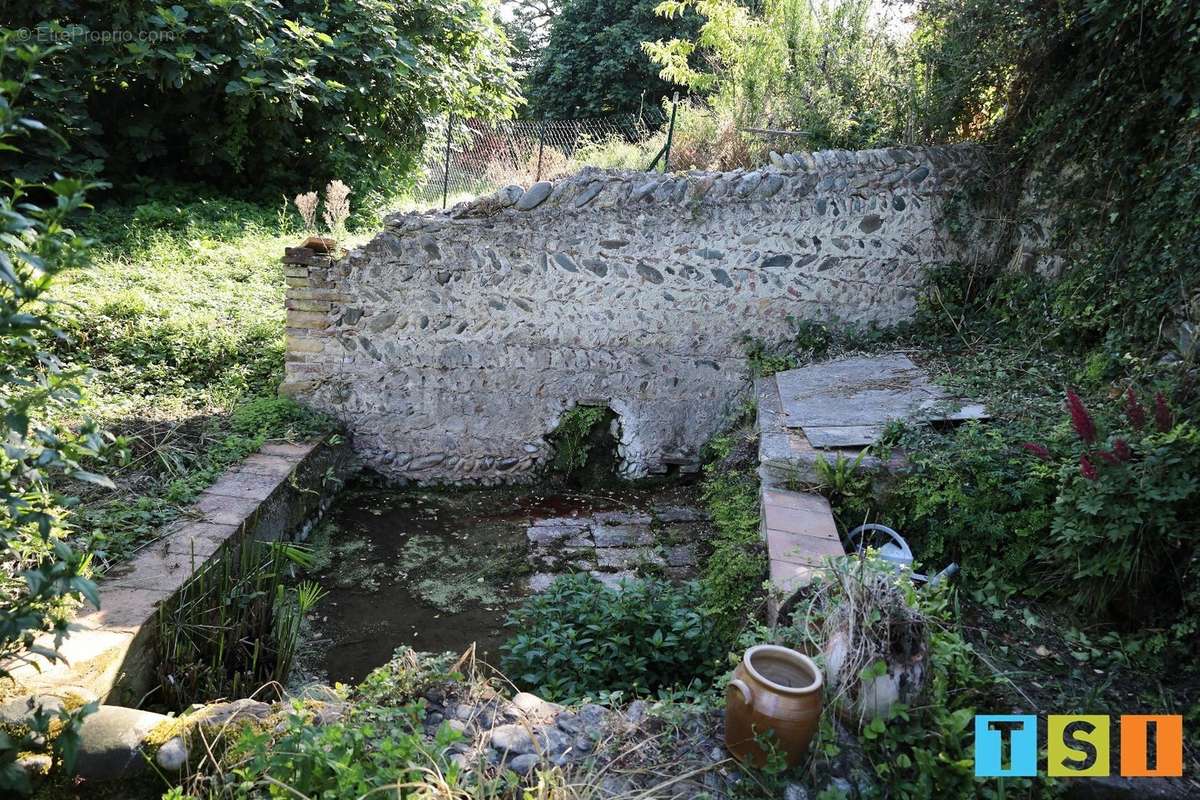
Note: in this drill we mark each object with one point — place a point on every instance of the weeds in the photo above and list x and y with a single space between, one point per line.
737 567
233 627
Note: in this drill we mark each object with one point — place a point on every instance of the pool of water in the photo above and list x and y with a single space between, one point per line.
437 570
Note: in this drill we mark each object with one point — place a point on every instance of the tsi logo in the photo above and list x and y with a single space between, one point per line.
1078 746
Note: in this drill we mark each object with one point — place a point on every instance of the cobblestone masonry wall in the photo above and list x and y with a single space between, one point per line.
453 342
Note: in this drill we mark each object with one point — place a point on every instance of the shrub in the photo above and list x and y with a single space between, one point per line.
912 751
244 94
373 752
278 418
1121 538
974 497
580 638
40 575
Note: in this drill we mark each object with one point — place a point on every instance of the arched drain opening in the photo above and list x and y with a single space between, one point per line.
585 445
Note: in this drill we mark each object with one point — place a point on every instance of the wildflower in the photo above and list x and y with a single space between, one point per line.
1107 457
1121 449
1087 468
337 207
1163 419
1038 450
307 205
1134 410
1081 420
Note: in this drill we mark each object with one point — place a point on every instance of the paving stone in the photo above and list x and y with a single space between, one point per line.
548 535
622 535
625 557
674 513
680 556
578 522
540 582
613 580
622 518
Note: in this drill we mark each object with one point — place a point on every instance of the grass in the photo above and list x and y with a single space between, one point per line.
181 322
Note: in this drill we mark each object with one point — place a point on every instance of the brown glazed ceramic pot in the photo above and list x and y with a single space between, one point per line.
778 690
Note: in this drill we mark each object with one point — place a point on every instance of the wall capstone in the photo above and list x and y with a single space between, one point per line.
453 342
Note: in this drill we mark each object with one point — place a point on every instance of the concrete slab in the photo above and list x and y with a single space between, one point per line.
800 549
848 401
801 535
264 464
221 509
785 456
246 485
198 539
154 567
811 515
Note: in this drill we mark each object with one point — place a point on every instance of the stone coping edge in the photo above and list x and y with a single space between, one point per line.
800 533
275 494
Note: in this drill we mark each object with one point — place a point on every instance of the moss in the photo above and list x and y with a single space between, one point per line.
167 730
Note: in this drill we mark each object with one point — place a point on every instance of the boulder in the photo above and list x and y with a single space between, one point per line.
110 742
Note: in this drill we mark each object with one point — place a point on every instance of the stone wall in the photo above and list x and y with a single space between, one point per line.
452 343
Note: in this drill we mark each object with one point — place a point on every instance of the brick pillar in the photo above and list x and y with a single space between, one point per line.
311 297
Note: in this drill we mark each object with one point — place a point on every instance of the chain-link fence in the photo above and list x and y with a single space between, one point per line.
483 156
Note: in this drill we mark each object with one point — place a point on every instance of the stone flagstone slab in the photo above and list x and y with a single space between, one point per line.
848 402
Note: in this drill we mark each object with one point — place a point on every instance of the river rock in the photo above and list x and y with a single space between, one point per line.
524 764
534 197
514 739
533 706
19 710
110 742
172 756
221 714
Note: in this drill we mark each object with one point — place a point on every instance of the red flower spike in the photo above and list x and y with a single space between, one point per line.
1081 420
1038 450
1163 419
1087 468
1121 449
1134 410
1107 457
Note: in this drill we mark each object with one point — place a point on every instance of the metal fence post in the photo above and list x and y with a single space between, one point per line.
670 134
446 166
541 148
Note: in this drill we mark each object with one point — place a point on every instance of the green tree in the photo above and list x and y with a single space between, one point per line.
254 94
823 68
594 62
39 573
528 29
